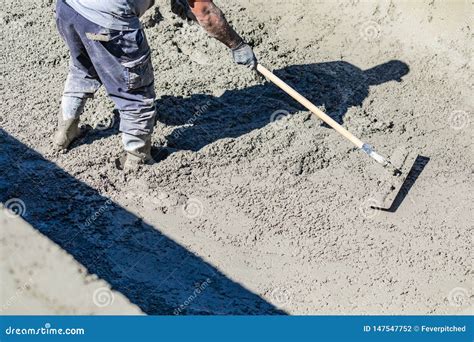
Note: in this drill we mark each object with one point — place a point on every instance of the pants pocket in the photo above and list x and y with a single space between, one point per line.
139 73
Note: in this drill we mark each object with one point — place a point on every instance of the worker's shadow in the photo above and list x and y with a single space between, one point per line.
202 119
154 272
336 86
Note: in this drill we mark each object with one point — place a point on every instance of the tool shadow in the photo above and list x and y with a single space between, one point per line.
415 172
336 86
154 272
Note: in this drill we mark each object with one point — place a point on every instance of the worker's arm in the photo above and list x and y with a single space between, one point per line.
211 18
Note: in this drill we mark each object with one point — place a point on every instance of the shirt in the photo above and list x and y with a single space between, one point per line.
121 15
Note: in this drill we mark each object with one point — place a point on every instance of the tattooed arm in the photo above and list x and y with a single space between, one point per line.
211 18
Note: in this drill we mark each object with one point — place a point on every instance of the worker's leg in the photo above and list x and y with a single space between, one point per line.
123 63
79 87
82 81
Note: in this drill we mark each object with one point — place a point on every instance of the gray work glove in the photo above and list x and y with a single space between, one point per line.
181 9
243 54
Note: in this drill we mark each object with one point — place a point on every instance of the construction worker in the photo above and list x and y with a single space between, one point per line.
108 46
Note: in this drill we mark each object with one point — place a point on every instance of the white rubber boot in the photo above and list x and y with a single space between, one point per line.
67 132
138 152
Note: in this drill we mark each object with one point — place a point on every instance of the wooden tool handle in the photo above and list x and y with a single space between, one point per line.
311 107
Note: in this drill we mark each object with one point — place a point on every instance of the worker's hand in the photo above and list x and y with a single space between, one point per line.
181 8
243 54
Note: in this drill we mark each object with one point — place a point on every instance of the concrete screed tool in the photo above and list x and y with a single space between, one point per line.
397 175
